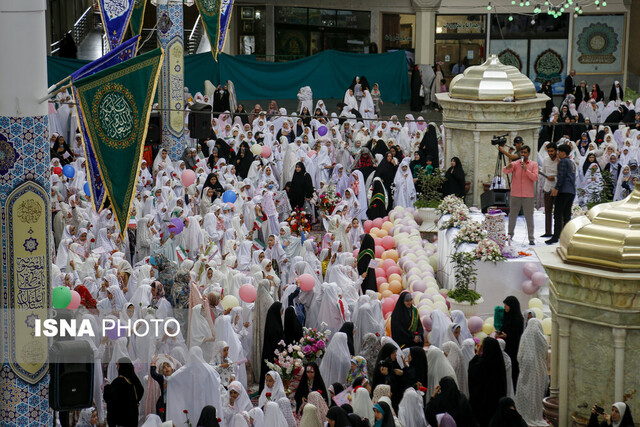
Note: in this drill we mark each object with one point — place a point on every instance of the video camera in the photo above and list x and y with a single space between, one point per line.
500 140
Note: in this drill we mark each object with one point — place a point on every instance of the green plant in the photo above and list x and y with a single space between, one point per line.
428 186
605 193
630 94
466 275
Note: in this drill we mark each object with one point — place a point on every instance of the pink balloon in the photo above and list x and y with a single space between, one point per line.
355 253
377 241
388 242
380 280
388 263
385 219
475 324
75 301
378 222
387 305
266 151
528 287
427 323
379 251
311 153
368 224
188 177
306 282
248 293
539 279
380 272
394 269
529 268
386 315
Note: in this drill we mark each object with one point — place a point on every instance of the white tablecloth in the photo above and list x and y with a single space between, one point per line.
498 280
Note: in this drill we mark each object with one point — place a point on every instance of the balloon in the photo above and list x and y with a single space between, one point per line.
188 177
87 189
387 294
528 287
488 328
538 312
480 336
419 286
311 153
176 226
392 254
380 281
535 303
61 297
378 241
394 276
475 324
388 242
387 225
367 226
395 286
57 170
382 233
378 223
379 251
539 279
380 272
322 130
256 149
394 270
229 196
229 302
306 282
75 301
266 152
427 323
248 293
374 231
547 326
387 263
68 171
387 305
529 268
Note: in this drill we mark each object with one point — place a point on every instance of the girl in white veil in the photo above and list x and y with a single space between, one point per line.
336 360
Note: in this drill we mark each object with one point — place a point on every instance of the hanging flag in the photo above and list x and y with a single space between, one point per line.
137 17
210 14
115 15
226 7
116 105
124 52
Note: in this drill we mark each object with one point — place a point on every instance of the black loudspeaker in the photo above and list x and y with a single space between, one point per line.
154 130
71 368
200 121
498 198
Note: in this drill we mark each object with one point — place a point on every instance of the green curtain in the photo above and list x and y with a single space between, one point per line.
329 73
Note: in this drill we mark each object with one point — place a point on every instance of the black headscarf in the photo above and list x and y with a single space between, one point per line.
513 326
378 203
337 389
339 416
303 389
487 381
244 159
455 179
506 415
387 416
377 147
405 323
208 417
365 255
301 187
387 171
418 369
123 394
358 421
429 144
292 327
273 333
348 328
450 400
218 189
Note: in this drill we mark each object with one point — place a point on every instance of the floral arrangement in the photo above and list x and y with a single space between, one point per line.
577 211
313 343
288 360
488 250
451 204
328 199
299 221
457 218
470 232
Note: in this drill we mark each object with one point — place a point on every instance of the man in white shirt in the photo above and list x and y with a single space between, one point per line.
549 172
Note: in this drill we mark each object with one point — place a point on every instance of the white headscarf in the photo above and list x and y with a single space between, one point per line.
362 405
336 360
273 416
277 391
439 367
411 409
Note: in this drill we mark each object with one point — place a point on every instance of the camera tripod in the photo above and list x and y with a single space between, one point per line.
501 162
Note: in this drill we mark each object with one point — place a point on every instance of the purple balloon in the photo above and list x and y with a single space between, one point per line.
176 226
322 130
427 323
417 218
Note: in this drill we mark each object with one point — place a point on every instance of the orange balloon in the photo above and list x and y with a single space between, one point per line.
382 233
395 278
392 254
387 225
383 287
374 230
387 326
395 286
387 293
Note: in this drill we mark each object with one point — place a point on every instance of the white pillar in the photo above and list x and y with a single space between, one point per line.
447 146
564 330
555 342
619 336
425 30
476 168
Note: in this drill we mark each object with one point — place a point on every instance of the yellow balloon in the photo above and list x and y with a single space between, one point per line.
480 335
387 293
383 233
437 298
488 328
256 149
374 230
538 312
395 286
383 287
489 321
387 225
229 302
395 277
535 302
547 326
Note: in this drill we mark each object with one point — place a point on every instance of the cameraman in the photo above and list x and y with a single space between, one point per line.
620 416
512 154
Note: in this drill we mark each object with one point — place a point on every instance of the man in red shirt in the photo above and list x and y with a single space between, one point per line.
525 176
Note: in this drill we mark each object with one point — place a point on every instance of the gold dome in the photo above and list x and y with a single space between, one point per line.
492 81
607 237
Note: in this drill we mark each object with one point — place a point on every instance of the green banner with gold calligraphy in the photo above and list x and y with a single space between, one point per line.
210 14
116 104
137 17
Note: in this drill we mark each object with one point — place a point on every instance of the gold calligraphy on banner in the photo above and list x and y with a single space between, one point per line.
29 272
